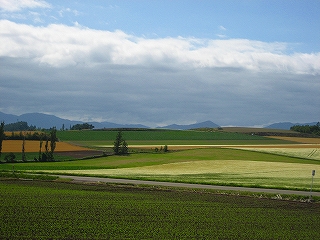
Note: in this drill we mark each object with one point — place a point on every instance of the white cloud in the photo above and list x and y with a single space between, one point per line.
61 46
68 10
18 5
222 28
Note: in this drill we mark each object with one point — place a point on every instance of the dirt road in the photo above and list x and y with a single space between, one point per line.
187 185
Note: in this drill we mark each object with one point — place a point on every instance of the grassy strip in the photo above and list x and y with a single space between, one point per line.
51 210
21 175
159 135
32 155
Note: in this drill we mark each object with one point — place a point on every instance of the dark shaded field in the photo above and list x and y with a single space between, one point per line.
53 210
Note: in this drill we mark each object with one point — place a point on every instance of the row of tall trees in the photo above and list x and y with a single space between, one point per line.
50 140
2 136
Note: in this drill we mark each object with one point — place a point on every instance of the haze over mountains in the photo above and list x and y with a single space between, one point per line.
41 120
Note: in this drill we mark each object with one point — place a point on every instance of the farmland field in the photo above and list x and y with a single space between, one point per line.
220 166
34 146
300 152
53 210
257 161
56 210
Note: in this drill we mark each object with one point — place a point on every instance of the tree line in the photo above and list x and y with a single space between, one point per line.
23 126
313 129
49 139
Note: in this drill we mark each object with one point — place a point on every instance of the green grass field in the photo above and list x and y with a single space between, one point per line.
165 137
53 210
219 166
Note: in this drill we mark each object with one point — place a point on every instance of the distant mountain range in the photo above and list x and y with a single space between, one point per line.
206 124
41 120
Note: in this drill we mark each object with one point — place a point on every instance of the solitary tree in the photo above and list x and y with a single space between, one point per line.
124 147
120 145
2 136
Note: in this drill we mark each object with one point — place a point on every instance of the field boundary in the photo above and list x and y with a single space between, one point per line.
83 179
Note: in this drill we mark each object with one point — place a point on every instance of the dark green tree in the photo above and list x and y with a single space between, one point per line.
124 147
41 135
120 146
117 143
45 155
82 126
53 139
165 148
24 158
2 136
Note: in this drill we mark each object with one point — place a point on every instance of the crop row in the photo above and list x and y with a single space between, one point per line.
43 210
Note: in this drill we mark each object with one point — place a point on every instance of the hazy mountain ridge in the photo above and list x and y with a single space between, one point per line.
206 124
41 120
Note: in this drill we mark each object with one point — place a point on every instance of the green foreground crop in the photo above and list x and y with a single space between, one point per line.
52 210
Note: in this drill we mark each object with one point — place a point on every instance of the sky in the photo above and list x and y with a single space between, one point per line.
236 63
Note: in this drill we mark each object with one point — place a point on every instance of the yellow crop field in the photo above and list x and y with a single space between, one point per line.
267 174
232 167
308 153
33 146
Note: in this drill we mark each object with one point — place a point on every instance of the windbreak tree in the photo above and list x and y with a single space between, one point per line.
2 136
53 139
48 155
24 158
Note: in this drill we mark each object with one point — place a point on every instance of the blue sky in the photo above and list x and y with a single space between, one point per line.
244 63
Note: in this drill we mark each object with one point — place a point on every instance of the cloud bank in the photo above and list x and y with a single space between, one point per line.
77 72
63 46
18 5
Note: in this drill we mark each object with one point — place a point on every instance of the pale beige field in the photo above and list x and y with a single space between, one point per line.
253 168
308 153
